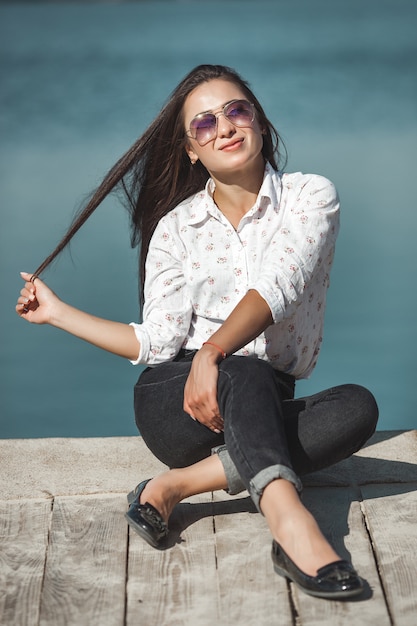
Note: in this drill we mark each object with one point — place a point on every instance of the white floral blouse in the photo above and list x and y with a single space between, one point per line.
199 267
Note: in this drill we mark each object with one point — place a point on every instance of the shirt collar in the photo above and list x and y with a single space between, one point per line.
271 187
270 192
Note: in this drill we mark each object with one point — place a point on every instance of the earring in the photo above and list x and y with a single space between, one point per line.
193 161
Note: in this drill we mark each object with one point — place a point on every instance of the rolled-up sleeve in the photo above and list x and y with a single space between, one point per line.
167 311
302 251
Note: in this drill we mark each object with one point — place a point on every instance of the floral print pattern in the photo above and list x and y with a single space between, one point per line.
199 267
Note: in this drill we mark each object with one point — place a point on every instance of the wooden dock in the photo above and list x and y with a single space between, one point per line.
68 558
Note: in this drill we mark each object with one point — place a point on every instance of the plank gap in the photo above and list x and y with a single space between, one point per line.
126 573
295 616
216 557
48 543
367 528
215 544
213 519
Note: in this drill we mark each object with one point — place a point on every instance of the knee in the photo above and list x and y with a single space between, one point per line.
362 406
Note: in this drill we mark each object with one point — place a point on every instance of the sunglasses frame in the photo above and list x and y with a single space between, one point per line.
190 133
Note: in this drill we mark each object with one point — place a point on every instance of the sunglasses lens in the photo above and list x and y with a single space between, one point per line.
240 113
203 128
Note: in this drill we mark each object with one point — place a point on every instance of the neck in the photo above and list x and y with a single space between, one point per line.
236 194
234 201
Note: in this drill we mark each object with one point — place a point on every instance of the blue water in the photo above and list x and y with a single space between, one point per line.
79 82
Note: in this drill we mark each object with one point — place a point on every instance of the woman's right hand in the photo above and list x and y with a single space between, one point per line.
200 392
36 301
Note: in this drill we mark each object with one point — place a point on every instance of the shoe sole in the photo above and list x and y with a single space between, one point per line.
142 533
336 595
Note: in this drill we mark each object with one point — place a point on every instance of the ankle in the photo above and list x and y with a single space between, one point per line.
278 498
163 493
286 524
300 536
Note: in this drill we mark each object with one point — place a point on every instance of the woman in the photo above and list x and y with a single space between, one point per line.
235 262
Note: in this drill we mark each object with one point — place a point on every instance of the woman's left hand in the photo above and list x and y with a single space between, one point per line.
200 393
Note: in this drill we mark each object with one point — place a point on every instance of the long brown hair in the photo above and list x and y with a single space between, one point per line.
155 174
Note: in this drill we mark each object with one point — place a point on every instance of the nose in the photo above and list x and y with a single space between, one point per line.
225 128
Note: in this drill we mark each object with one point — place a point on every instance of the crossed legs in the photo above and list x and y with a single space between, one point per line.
294 436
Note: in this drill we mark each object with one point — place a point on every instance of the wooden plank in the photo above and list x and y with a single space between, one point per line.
23 542
390 457
86 562
177 586
391 513
250 592
339 515
53 466
113 464
400 445
223 577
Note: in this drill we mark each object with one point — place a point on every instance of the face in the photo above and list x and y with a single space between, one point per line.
233 148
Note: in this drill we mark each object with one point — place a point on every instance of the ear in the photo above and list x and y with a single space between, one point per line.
191 155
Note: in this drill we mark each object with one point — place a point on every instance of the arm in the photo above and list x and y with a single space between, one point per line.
302 248
247 320
40 305
292 258
167 309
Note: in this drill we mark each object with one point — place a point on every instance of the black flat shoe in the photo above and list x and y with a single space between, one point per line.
132 495
145 519
336 580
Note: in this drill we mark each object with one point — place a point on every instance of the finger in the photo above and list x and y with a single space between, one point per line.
205 417
28 277
27 292
218 427
23 301
214 423
23 308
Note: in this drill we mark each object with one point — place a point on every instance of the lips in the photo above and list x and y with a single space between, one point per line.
231 144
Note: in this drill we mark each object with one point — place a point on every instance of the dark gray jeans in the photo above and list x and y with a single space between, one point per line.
267 433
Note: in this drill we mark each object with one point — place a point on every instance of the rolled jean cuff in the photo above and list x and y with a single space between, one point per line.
234 482
266 476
